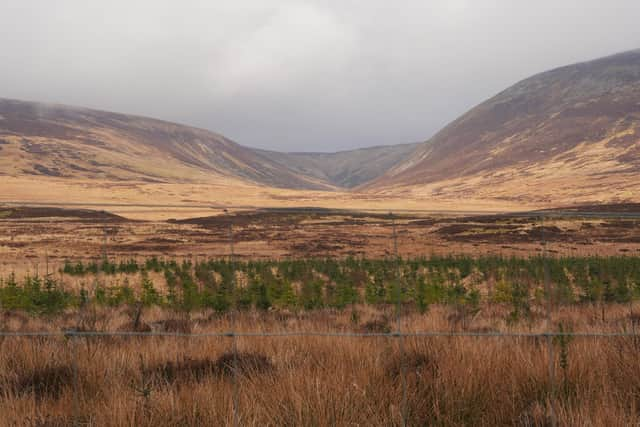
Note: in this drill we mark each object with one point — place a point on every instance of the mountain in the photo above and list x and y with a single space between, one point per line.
57 141
345 169
566 135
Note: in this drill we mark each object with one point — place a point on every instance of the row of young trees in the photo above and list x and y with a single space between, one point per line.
316 283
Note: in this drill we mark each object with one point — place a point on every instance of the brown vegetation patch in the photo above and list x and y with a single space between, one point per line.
16 245
475 228
197 370
498 219
52 212
243 363
289 217
377 326
626 224
133 326
424 222
43 381
47 171
604 207
411 362
182 371
183 326
162 240
315 247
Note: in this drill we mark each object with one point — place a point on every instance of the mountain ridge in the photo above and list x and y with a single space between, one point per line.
568 127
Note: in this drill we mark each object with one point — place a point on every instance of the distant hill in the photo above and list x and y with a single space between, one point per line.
566 135
346 169
57 141
64 142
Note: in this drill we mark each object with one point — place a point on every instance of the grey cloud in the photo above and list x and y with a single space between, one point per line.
298 75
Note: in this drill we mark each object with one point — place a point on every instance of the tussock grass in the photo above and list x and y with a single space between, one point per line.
325 381
197 370
44 382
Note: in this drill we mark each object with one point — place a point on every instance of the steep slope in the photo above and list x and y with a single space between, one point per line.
570 134
65 142
345 169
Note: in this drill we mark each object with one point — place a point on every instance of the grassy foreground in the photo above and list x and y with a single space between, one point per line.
189 381
322 380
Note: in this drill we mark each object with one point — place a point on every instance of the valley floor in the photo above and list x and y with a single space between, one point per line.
37 239
151 197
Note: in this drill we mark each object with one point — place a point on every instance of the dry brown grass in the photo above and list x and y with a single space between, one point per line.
36 245
224 192
178 381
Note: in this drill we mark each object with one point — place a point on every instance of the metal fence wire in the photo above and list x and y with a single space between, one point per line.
543 216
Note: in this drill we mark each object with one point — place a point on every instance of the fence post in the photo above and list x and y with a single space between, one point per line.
398 333
234 339
104 245
549 328
75 403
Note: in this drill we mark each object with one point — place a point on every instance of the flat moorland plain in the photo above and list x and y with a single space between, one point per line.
30 189
31 237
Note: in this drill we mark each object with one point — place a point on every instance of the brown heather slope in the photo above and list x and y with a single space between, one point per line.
565 136
53 141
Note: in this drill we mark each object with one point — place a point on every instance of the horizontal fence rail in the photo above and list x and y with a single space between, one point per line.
425 334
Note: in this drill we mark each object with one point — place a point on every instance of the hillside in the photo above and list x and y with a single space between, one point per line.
53 141
563 136
345 169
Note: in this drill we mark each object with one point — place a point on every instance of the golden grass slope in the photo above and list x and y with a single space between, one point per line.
588 172
57 141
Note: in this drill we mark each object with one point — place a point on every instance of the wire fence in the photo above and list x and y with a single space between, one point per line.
543 217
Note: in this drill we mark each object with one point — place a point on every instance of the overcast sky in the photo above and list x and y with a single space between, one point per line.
299 75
